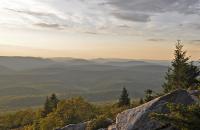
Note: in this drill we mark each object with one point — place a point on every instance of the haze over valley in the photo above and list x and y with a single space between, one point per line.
26 81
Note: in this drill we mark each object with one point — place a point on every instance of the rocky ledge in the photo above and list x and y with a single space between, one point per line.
138 118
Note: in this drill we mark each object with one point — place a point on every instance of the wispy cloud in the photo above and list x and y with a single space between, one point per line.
147 18
156 40
195 42
132 16
93 33
48 25
28 12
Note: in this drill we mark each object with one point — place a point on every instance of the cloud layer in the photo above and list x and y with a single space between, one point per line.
152 19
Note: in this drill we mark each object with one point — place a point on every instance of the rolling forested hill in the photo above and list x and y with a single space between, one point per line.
26 81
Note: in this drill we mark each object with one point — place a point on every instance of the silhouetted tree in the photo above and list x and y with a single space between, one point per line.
193 72
54 101
141 101
50 104
181 74
47 108
124 99
182 117
148 95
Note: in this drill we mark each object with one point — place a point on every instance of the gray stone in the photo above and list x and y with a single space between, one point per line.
138 118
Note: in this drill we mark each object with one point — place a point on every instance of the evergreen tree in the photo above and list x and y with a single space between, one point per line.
141 101
54 101
181 117
50 104
193 73
124 99
176 77
148 95
47 108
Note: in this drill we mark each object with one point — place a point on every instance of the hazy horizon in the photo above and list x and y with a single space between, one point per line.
95 58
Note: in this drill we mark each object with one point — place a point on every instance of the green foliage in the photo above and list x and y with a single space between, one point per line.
47 107
100 122
182 117
111 110
70 111
193 73
75 110
141 101
124 99
53 101
36 125
181 74
148 95
50 122
18 119
50 104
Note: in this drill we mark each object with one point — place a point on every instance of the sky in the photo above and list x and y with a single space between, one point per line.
137 29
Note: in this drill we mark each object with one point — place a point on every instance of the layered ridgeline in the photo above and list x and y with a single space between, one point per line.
26 81
175 107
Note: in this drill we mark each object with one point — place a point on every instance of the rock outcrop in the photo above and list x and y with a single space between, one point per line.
138 118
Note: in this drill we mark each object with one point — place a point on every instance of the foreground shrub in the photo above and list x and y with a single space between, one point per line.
18 119
72 111
181 117
100 122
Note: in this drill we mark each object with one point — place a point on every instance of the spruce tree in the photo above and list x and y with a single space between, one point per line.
50 104
193 73
179 117
47 107
148 95
176 77
54 101
141 101
124 99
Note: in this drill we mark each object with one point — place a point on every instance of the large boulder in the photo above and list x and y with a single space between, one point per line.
138 118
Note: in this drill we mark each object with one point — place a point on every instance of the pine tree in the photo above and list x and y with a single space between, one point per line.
176 77
141 101
124 99
148 95
50 104
181 117
54 101
47 107
193 73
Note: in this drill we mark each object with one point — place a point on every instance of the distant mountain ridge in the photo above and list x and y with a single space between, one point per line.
28 80
24 63
20 63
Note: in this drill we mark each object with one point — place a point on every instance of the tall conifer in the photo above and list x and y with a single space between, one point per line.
124 99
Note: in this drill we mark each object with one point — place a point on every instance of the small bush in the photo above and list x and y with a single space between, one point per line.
100 122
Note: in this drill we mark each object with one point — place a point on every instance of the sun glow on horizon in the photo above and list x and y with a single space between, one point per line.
92 29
